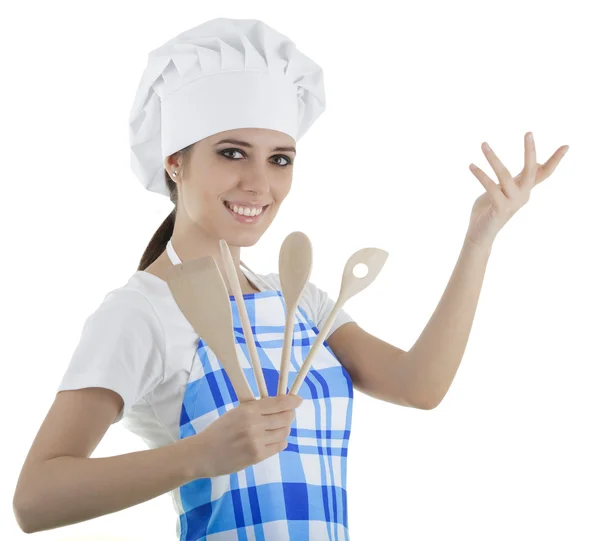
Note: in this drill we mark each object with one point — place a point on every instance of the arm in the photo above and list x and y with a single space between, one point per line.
431 364
424 374
56 491
421 376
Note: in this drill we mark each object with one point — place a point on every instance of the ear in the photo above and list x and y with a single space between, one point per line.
171 162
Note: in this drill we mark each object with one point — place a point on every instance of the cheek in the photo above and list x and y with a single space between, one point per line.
282 190
197 201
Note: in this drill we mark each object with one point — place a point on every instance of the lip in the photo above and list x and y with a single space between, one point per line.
250 205
247 219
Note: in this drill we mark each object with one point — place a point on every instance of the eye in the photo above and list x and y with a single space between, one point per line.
288 161
229 150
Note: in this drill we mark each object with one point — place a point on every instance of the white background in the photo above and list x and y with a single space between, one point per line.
413 89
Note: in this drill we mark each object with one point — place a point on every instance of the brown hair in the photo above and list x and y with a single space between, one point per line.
159 240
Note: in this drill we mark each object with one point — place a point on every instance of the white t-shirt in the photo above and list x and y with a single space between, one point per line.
139 344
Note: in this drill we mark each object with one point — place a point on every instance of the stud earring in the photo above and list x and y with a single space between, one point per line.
174 173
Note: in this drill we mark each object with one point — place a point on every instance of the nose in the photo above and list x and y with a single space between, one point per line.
257 181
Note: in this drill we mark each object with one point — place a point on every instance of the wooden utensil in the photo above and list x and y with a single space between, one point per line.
374 259
295 266
234 282
201 294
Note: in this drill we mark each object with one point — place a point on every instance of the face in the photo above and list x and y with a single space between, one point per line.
220 177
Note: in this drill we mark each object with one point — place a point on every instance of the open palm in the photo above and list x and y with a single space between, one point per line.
501 201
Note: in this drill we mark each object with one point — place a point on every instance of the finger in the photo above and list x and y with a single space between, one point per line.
505 178
548 168
273 436
490 186
278 403
530 169
277 420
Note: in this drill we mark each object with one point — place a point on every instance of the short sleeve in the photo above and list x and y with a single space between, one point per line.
321 306
122 348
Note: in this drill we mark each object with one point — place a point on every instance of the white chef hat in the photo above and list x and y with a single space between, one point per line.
221 75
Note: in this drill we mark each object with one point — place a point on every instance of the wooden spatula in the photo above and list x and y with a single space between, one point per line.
202 297
295 266
234 283
374 259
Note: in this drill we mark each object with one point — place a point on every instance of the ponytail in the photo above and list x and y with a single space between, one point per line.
161 237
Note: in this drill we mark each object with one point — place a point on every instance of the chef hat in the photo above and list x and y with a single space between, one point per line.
221 75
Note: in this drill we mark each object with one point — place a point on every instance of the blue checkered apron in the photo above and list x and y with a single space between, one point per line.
299 494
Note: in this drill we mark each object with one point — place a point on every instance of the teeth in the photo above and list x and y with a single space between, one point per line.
245 211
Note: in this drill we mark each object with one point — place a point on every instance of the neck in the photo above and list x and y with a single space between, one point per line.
194 243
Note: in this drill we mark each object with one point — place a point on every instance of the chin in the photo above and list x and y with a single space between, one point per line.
242 244
244 240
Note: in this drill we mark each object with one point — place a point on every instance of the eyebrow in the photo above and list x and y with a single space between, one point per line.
248 145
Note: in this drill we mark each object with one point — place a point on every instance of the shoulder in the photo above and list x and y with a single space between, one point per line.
128 307
130 297
312 298
145 288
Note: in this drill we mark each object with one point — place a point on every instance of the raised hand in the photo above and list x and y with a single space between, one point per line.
501 201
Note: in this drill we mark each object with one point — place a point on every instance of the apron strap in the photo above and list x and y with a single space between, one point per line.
175 260
255 276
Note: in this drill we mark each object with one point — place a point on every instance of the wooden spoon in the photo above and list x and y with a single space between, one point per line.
374 258
295 266
234 282
201 294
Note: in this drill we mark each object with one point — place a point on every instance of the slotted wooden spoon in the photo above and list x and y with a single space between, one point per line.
295 266
234 283
374 259
201 294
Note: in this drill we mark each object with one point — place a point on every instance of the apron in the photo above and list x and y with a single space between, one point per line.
298 494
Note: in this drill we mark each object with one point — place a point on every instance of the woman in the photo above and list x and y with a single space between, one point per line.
214 126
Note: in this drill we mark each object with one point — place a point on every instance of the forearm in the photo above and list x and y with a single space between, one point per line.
67 490
433 361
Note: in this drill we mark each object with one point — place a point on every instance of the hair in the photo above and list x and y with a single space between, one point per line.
159 240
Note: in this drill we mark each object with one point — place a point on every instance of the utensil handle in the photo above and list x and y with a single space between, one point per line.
240 385
284 365
315 347
234 283
249 336
351 285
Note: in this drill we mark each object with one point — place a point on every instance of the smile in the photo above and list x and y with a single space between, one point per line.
249 215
